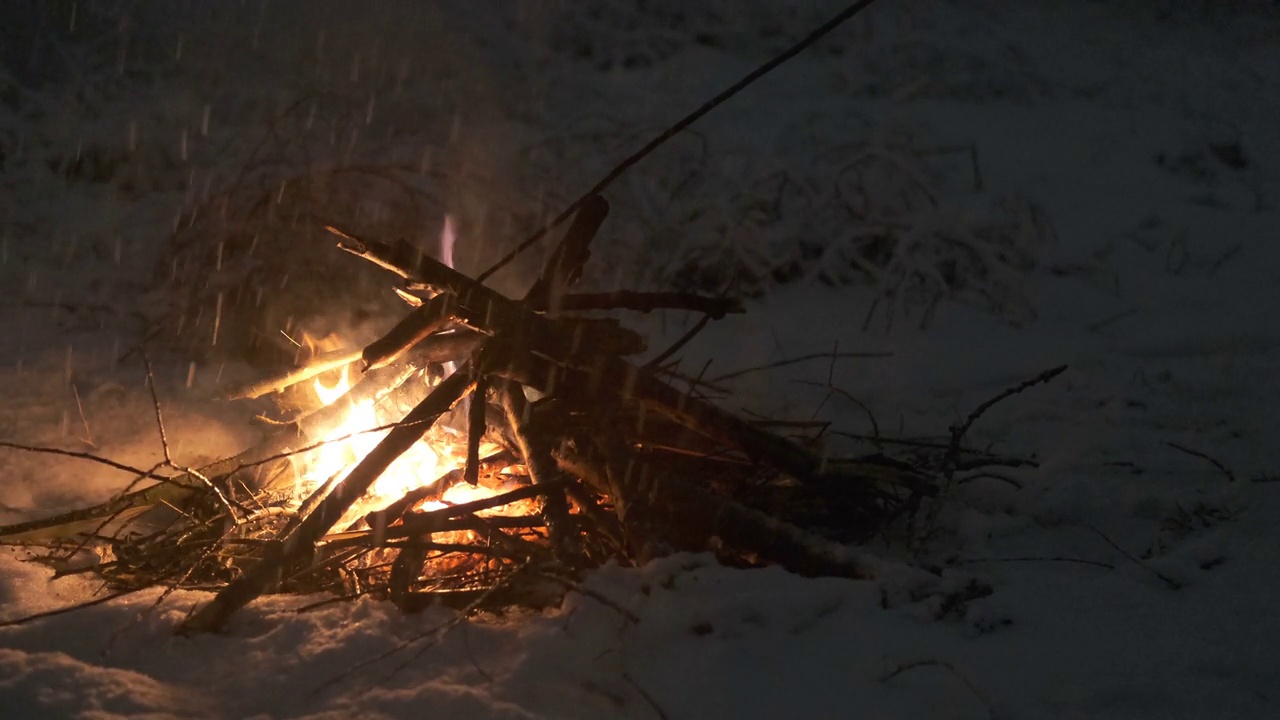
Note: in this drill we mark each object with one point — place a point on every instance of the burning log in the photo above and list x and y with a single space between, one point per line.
416 327
438 348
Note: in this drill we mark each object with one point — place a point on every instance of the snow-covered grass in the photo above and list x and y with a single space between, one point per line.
1123 577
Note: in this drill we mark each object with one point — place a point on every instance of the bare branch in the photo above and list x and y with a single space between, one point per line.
1231 476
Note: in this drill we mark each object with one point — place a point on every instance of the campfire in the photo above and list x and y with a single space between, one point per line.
483 453
486 451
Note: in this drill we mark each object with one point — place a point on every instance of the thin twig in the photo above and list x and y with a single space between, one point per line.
875 426
716 307
978 693
1078 561
155 402
140 473
647 697
690 334
434 634
168 458
598 597
316 445
71 608
981 458
1110 319
330 601
951 460
992 475
958 432
1231 476
670 371
466 647
795 360
88 434
1173 584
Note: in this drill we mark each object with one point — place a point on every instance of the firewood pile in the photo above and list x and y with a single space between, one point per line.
569 455
581 458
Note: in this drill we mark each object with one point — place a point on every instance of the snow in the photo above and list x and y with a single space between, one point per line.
1123 577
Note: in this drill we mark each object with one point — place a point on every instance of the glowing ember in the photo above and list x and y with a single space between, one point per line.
463 493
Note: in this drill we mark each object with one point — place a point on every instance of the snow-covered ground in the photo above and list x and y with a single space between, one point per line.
1130 175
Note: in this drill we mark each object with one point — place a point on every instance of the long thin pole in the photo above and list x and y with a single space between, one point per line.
839 19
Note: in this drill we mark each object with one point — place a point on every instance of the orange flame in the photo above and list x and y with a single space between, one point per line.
350 441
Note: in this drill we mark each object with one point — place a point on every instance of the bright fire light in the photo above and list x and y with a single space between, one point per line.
421 466
348 442
418 467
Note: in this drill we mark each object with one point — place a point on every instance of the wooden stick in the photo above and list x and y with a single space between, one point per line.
475 431
429 522
615 380
438 348
405 259
491 312
409 298
432 490
836 21
1226 471
301 436
257 579
537 457
792 361
595 375
564 267
414 328
680 342
360 538
659 509
716 307
399 257
320 364
477 304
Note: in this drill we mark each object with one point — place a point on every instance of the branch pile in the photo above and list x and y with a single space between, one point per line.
580 456
591 458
